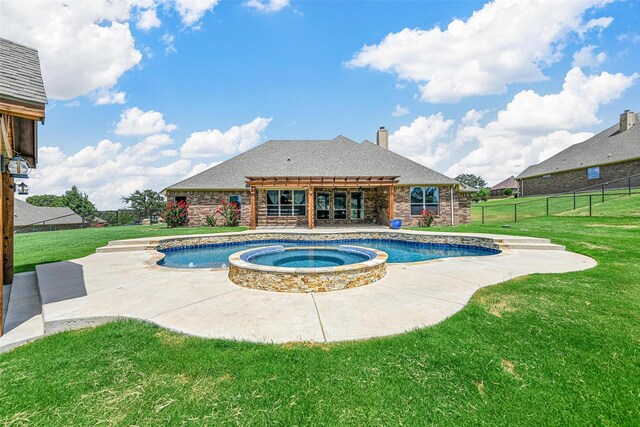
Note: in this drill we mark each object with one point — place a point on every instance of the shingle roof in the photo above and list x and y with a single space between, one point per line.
20 76
507 183
609 146
336 157
28 214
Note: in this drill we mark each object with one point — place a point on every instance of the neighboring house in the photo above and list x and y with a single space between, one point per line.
610 155
508 184
40 218
321 182
22 102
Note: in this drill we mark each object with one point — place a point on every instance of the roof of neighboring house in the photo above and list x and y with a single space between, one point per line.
609 146
319 158
20 76
507 183
464 188
28 214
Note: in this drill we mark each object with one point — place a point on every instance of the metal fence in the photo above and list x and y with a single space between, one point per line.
122 217
589 201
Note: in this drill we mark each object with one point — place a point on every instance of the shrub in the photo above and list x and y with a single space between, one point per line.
426 218
480 195
230 214
508 192
176 214
211 221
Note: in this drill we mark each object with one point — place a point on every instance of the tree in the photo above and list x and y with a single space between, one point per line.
472 180
146 203
48 200
481 195
79 203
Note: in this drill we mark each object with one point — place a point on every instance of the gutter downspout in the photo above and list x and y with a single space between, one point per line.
451 192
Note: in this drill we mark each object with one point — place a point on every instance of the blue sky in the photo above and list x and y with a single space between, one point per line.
206 80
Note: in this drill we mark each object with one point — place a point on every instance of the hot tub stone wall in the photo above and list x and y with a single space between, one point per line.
306 282
445 239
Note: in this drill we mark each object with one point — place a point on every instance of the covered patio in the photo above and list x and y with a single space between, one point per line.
326 201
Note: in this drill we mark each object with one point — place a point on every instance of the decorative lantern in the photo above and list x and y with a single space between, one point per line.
17 167
22 188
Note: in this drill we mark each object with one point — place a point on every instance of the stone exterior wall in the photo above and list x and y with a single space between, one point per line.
204 203
569 181
376 207
461 207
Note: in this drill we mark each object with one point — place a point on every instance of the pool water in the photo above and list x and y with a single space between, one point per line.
308 258
217 256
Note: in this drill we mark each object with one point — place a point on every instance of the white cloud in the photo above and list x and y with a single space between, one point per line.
586 57
216 143
108 97
400 111
505 42
191 11
106 171
134 121
424 140
267 5
472 117
597 23
148 19
533 127
81 48
167 39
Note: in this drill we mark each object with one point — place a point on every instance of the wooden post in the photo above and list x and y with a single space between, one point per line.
253 220
310 207
391 213
2 178
7 229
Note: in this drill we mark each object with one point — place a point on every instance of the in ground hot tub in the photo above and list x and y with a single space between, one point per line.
307 269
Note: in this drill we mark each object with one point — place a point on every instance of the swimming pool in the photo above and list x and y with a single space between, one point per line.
217 255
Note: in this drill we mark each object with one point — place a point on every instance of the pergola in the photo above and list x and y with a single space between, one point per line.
311 182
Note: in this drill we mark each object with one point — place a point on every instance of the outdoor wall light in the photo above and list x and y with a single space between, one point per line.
17 166
22 188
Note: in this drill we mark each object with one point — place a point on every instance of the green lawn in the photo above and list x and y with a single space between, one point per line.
51 246
618 204
557 349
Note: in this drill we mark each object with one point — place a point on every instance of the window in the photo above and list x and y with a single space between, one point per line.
546 176
357 205
593 173
237 199
179 199
322 206
424 198
286 202
339 205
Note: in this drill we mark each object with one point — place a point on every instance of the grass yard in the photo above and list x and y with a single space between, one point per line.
559 349
617 204
51 246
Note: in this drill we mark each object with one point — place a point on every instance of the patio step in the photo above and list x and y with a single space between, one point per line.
126 248
133 241
24 321
513 240
538 246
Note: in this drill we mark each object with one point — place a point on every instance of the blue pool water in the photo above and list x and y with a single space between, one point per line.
217 256
307 258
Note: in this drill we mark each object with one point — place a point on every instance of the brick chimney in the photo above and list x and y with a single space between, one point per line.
382 138
627 119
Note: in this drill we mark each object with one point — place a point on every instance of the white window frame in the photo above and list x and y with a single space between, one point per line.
595 168
433 207
293 204
346 206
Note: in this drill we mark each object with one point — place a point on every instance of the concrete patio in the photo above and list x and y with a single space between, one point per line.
203 302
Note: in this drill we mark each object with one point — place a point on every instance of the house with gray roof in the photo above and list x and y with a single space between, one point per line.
508 184
28 218
613 154
324 182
